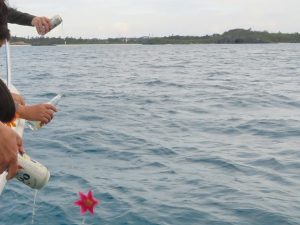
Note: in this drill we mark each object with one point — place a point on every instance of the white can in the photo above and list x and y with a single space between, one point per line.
32 173
55 21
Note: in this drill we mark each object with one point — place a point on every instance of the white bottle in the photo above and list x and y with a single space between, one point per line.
36 125
32 173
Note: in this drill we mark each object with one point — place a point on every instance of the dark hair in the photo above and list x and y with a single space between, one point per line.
7 104
4 31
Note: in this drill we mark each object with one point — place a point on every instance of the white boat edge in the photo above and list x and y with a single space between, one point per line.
20 124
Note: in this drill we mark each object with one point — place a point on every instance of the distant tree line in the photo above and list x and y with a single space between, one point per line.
236 36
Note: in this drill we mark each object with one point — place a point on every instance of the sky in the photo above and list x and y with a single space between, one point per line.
137 18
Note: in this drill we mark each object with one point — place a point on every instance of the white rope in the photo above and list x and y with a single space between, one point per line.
8 64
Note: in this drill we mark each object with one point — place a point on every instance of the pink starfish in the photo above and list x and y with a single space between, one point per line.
87 202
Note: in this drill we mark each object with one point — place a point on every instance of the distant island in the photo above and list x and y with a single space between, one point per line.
235 36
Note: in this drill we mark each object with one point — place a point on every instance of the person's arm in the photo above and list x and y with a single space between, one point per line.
16 17
40 112
42 24
18 99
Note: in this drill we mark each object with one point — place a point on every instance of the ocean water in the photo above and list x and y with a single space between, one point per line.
187 134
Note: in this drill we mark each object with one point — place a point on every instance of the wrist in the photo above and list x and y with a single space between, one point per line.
16 106
21 111
33 20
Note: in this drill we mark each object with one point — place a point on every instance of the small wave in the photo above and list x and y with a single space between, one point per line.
271 128
153 83
129 217
163 84
162 151
261 216
269 163
217 162
156 165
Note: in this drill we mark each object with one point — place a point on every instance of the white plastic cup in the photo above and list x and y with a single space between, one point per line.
32 173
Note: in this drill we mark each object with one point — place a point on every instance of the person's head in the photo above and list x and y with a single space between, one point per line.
4 34
4 31
7 104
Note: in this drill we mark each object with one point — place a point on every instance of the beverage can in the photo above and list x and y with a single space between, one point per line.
55 21
32 173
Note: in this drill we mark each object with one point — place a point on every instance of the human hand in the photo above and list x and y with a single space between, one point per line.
40 112
18 98
10 145
42 24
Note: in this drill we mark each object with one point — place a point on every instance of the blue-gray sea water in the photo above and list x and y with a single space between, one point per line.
185 134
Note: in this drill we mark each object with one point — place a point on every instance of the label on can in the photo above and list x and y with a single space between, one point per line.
32 173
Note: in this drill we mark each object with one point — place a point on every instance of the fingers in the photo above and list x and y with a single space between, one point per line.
43 24
22 150
48 113
2 168
46 23
52 107
39 26
13 164
20 145
19 140
12 169
11 144
47 118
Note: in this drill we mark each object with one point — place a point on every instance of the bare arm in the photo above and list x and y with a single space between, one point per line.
10 145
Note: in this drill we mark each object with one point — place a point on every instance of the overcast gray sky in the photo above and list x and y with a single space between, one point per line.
135 18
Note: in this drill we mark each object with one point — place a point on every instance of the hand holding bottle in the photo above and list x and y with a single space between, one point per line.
42 24
36 124
41 112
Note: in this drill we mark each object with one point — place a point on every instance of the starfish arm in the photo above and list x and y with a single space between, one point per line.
79 203
91 197
91 210
83 196
83 210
